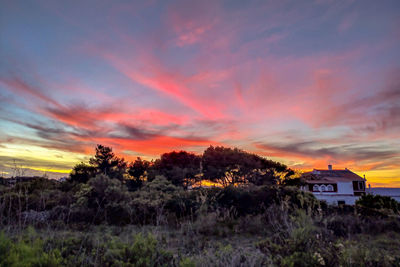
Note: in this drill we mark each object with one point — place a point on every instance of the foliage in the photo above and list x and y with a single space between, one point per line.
377 202
222 165
142 252
181 168
148 204
105 162
366 251
82 172
137 170
26 253
234 166
106 200
294 182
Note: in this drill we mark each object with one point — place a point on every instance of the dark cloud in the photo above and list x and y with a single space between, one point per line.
202 129
135 133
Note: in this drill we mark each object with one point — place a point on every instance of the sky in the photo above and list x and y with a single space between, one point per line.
307 83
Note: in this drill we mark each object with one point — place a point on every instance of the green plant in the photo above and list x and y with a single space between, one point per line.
27 253
144 251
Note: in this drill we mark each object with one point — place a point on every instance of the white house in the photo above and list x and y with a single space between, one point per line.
335 186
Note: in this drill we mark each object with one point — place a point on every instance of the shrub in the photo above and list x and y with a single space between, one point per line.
26 253
344 225
380 203
142 252
148 204
364 251
183 204
226 255
103 200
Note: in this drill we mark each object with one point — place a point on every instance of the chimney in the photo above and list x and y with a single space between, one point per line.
330 167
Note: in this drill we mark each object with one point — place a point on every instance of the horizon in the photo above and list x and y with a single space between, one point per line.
304 83
59 175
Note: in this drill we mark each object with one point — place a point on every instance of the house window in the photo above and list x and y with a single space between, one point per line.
315 187
323 188
360 185
329 188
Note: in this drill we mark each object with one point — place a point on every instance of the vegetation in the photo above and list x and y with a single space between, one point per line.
114 213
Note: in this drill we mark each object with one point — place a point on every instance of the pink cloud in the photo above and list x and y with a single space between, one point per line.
23 89
347 22
192 21
175 85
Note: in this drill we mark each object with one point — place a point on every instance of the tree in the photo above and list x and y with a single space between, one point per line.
137 170
107 163
181 168
138 167
82 172
234 166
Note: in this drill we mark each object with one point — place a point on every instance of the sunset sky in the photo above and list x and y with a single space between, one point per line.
304 82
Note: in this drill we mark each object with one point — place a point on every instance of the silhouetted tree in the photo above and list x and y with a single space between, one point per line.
107 163
181 168
82 172
234 166
137 170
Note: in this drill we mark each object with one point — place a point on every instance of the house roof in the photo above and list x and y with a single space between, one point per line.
331 176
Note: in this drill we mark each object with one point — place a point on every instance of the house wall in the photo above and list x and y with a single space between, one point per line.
333 199
344 193
345 188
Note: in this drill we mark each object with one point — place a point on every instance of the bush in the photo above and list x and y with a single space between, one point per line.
300 243
226 255
344 225
142 252
364 251
27 253
183 204
383 204
103 200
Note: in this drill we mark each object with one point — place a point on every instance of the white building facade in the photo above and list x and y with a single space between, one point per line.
336 187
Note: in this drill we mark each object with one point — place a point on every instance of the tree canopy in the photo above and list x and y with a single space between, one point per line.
137 171
181 168
223 165
235 166
105 162
82 172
